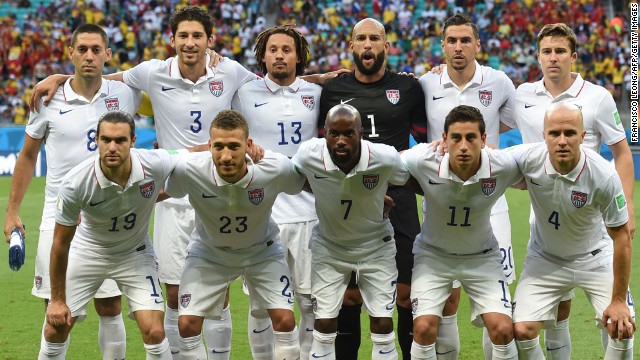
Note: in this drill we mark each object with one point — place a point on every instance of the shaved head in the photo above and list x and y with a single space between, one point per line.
563 110
371 21
344 111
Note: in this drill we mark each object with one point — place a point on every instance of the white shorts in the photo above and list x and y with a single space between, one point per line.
481 276
135 274
172 227
501 226
204 285
41 284
376 279
295 240
544 283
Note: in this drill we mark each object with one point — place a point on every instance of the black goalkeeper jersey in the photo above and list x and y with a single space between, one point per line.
390 108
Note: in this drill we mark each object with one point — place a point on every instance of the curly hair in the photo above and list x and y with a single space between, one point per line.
301 44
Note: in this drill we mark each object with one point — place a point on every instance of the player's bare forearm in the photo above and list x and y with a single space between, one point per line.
46 88
621 261
624 167
115 76
62 236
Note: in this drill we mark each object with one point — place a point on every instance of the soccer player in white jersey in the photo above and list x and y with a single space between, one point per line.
465 82
457 241
104 205
234 235
349 177
572 191
67 127
556 54
282 112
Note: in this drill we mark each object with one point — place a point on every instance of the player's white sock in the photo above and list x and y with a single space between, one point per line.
53 351
384 346
307 319
261 337
423 352
604 338
217 335
112 337
158 351
530 349
509 351
487 345
448 341
323 346
171 331
619 350
287 345
192 348
557 340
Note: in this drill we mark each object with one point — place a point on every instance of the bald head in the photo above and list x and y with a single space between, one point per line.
369 22
345 112
343 132
565 112
563 133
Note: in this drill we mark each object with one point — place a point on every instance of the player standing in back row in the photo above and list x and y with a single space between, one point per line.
391 107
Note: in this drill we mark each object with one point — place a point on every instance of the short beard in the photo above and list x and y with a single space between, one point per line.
377 65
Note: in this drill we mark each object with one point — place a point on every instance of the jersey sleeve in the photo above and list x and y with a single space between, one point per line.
614 205
236 103
170 159
608 121
37 125
290 181
242 75
399 172
507 113
418 115
410 158
138 76
177 183
68 206
520 153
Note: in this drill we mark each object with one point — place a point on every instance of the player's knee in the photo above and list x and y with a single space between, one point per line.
501 333
326 326
172 295
352 297
525 331
381 325
108 306
189 326
564 309
284 322
153 335
425 329
56 334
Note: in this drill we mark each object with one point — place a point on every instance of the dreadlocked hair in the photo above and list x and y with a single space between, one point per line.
301 44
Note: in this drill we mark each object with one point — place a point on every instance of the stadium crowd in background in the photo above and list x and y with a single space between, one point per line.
35 34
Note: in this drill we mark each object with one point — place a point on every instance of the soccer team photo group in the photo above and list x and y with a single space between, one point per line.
386 179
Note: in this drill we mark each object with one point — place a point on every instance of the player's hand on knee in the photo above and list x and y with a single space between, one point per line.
46 88
58 313
617 318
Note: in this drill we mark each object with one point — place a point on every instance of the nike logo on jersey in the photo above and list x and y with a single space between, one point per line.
164 88
258 105
64 112
256 331
526 106
91 203
534 183
158 301
316 356
320 177
431 182
508 306
205 196
437 98
389 307
344 102
509 274
214 351
290 301
386 352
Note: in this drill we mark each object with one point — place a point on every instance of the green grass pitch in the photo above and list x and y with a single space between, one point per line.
22 315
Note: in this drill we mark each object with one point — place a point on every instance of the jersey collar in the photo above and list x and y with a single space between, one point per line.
70 95
476 80
243 183
362 165
571 175
137 173
572 92
273 87
444 171
174 70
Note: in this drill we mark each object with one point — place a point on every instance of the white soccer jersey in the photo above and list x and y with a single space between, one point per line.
490 91
350 206
113 220
456 218
68 127
231 218
280 118
599 112
570 208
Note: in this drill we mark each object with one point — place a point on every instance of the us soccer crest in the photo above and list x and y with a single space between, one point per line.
370 181
256 196
485 97
216 88
393 96
309 101
112 104
578 199
147 189
488 186
185 299
38 282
